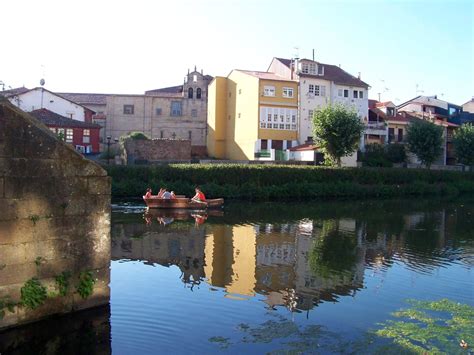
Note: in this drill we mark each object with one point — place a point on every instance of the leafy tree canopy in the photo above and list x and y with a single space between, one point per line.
464 144
425 140
337 131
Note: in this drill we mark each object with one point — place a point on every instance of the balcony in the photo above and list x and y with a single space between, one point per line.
376 128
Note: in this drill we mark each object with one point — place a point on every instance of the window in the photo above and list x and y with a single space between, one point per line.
282 118
263 125
390 111
128 109
195 78
238 115
275 117
86 136
69 135
190 134
198 93
308 68
263 144
320 70
61 135
190 93
162 134
323 90
346 93
339 92
278 118
287 92
356 94
310 114
361 94
305 68
176 108
194 112
52 129
240 91
269 117
158 111
400 134
269 91
293 118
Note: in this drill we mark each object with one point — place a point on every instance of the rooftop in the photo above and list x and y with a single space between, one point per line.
50 118
85 98
331 73
264 75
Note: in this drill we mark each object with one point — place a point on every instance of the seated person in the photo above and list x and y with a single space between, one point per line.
160 193
148 193
173 195
166 195
199 197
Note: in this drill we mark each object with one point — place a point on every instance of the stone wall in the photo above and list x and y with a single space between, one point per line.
54 218
155 150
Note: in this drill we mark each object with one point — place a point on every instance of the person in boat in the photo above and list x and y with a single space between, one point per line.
166 195
161 192
148 193
173 195
199 197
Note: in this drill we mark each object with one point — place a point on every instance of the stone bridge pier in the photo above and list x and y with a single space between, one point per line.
54 224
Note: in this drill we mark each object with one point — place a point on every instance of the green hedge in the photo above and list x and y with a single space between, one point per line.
276 182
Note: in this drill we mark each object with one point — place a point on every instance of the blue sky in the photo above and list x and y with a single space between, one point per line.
133 46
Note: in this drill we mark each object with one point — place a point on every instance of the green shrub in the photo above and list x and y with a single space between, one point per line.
279 182
33 294
85 288
396 153
375 156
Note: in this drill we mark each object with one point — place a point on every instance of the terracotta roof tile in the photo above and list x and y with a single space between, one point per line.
85 98
50 118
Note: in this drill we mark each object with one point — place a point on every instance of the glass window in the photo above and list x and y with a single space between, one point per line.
361 94
346 93
287 126
269 90
86 136
158 111
176 108
128 109
69 135
311 89
194 112
190 93
310 114
316 90
356 94
52 129
198 93
288 92
323 90
339 92
60 133
269 117
275 117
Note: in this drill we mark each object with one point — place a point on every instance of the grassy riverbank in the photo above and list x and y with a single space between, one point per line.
272 182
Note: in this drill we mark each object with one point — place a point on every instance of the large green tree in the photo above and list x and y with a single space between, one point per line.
464 144
425 140
337 131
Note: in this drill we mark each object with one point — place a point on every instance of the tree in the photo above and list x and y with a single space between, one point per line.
337 131
425 140
463 141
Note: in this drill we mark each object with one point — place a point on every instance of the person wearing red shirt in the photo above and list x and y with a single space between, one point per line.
199 197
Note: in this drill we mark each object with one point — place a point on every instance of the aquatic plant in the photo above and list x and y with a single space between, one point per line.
431 327
33 294
85 288
62 282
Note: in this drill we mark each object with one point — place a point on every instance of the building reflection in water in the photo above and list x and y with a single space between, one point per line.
296 265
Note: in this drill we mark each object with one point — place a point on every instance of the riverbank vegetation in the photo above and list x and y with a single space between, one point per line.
277 182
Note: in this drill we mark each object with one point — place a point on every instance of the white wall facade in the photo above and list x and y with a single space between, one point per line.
39 98
311 101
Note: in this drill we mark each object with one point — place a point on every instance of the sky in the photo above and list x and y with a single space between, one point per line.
401 48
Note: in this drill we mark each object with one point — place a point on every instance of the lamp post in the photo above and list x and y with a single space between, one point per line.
108 149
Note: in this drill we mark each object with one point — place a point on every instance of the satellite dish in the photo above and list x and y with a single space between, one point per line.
42 82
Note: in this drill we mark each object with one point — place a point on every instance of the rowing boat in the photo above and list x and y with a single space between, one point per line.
182 203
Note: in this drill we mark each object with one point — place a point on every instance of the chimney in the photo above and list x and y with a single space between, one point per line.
202 72
358 76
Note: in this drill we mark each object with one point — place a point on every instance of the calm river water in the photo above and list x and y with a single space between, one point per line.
259 278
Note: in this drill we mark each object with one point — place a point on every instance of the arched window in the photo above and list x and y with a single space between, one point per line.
198 93
190 93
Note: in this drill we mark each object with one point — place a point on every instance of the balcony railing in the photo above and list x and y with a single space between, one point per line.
375 125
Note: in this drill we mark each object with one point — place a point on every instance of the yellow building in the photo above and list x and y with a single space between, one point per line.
252 116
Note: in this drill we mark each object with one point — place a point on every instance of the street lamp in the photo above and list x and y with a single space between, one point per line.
108 149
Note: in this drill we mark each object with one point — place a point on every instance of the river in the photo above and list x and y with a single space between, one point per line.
321 277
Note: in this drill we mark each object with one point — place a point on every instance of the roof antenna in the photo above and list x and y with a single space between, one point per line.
297 54
313 54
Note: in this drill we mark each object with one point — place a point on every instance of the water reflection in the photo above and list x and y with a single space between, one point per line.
85 332
298 256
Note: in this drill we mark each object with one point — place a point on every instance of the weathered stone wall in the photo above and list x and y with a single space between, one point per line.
157 150
54 218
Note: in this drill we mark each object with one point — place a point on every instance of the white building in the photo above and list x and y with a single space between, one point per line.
38 98
320 85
